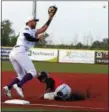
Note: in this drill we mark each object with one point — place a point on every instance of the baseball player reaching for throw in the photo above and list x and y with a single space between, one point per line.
57 89
19 55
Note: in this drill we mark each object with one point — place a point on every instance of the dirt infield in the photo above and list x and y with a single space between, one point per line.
97 84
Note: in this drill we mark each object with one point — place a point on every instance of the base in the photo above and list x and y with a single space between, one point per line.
17 101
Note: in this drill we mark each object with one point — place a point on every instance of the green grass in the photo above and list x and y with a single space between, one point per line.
56 67
37 110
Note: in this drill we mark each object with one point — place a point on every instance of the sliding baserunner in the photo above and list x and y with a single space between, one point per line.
57 89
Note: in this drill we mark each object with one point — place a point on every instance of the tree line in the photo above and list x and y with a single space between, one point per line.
8 38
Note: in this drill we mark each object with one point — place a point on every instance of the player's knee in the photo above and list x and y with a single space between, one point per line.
20 78
33 73
49 96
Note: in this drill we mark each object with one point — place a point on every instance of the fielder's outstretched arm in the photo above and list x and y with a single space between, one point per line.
51 11
44 27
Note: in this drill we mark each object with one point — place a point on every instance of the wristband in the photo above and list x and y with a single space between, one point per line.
48 22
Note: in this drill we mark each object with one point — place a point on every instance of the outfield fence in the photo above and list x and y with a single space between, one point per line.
62 55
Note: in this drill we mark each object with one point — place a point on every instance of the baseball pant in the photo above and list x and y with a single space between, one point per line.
64 88
21 62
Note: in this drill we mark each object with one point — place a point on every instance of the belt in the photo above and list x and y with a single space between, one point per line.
17 46
20 46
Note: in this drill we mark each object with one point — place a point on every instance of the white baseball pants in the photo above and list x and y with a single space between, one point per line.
64 88
21 62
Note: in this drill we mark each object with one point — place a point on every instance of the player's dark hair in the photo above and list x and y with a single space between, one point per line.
42 75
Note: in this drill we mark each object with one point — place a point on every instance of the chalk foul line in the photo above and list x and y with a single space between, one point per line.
63 106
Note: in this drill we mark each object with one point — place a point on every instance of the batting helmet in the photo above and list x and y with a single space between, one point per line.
42 75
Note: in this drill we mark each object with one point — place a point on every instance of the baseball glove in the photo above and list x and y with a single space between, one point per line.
52 10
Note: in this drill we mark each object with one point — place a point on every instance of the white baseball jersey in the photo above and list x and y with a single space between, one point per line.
19 54
22 40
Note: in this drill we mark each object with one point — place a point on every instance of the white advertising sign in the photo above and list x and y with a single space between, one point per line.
49 55
76 56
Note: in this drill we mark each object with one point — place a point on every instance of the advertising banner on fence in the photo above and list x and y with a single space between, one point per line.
35 54
101 57
48 55
5 53
76 56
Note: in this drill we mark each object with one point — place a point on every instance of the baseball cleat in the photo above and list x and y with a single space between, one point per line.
18 90
7 92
